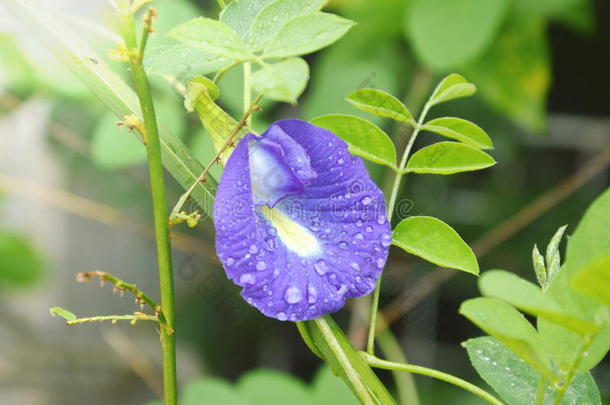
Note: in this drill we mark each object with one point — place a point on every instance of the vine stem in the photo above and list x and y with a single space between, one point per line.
439 375
157 185
370 346
247 90
584 346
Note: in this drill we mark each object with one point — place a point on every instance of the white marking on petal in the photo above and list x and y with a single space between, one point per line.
296 237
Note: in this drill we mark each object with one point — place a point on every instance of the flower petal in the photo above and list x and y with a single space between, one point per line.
310 252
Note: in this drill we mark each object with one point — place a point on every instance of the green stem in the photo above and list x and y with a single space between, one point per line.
350 372
157 184
570 377
405 385
370 347
439 375
247 89
540 393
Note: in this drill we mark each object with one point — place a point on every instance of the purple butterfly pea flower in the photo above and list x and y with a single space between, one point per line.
300 225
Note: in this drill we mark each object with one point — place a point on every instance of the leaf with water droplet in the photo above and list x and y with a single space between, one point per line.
510 327
364 138
211 36
516 382
306 34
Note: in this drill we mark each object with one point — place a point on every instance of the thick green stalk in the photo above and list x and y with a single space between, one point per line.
157 185
370 347
439 375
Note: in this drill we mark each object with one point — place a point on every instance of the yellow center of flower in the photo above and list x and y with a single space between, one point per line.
296 237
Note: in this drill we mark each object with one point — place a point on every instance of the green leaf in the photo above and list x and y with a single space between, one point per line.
111 90
262 387
64 313
447 33
21 264
364 138
274 16
461 130
529 298
435 241
590 242
539 267
448 158
211 36
516 382
182 62
380 103
510 327
212 390
451 87
345 361
306 34
282 81
594 280
516 87
553 257
240 14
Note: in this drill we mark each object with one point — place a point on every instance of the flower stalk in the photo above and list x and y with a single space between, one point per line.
157 184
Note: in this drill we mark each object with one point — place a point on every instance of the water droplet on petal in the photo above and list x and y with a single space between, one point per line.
381 219
355 266
359 236
369 229
342 290
380 263
281 316
321 267
261 265
246 278
343 245
366 200
386 239
253 248
230 261
293 295
312 294
272 231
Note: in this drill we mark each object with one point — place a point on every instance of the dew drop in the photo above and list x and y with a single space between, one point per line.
343 245
386 239
355 266
246 279
380 263
261 265
293 295
253 248
272 231
230 261
342 290
359 236
366 200
312 294
369 229
321 267
381 219
281 316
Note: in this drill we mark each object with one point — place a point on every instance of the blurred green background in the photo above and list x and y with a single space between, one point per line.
73 197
